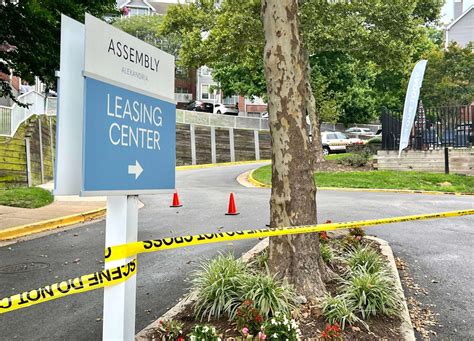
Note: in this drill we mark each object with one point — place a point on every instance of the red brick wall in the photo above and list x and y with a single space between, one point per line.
256 108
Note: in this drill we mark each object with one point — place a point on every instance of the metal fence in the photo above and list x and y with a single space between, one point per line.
434 128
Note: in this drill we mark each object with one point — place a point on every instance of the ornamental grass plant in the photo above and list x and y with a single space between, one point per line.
268 294
326 252
217 283
223 283
364 256
337 309
371 293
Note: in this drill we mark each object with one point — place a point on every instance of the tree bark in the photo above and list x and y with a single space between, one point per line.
292 203
313 115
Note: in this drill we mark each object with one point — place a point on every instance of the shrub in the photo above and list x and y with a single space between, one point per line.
326 252
170 329
349 242
260 261
280 327
355 159
268 294
366 257
217 282
248 319
332 332
357 232
375 140
370 293
338 309
204 333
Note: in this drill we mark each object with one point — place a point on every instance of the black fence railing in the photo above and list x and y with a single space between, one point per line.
434 128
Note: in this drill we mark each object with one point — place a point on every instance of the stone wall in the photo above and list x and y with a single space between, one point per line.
461 161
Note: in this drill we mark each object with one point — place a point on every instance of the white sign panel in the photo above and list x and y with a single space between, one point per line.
68 171
116 56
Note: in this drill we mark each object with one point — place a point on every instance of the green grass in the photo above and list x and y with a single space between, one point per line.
385 180
337 156
25 197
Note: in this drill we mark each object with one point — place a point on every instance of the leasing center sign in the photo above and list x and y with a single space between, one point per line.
129 114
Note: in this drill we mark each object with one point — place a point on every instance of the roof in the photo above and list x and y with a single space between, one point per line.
460 17
161 7
137 3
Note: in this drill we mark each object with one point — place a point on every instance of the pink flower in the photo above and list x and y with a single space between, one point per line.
261 336
245 331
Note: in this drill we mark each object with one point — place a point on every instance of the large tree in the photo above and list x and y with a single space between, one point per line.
292 203
147 28
33 28
375 41
449 78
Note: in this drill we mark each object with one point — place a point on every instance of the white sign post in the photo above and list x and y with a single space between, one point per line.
119 300
119 93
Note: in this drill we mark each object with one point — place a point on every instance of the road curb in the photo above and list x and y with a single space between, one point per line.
259 184
255 182
179 307
406 329
221 164
51 224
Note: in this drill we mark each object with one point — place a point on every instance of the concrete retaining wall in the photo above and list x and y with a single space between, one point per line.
13 154
201 144
461 161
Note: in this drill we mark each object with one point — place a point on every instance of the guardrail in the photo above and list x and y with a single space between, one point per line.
12 117
223 121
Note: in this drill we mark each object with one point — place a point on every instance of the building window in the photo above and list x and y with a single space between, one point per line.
138 11
205 92
232 100
180 90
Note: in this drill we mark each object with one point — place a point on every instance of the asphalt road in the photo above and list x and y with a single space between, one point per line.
439 253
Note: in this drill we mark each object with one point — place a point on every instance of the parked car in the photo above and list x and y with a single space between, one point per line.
200 106
455 138
356 131
334 141
225 109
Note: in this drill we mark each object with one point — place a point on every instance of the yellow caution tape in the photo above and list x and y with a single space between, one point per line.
120 274
73 286
131 249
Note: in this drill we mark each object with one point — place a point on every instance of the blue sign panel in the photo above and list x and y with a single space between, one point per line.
129 141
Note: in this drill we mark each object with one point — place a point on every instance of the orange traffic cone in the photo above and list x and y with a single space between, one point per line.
176 202
232 210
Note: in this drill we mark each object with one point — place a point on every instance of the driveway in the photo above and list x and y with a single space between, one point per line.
440 250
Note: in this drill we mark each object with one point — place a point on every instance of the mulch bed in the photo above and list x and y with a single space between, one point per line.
309 318
335 166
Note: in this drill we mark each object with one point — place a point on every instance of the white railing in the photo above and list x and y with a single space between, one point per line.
12 117
223 121
181 97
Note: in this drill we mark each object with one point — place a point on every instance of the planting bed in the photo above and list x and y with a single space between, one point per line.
310 316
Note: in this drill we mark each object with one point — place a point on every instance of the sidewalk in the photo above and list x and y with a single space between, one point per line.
65 210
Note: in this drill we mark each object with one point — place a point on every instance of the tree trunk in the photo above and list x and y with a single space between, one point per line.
292 202
313 115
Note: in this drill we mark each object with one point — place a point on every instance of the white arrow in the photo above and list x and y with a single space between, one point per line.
135 169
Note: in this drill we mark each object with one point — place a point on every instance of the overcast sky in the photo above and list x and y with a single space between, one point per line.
447 11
